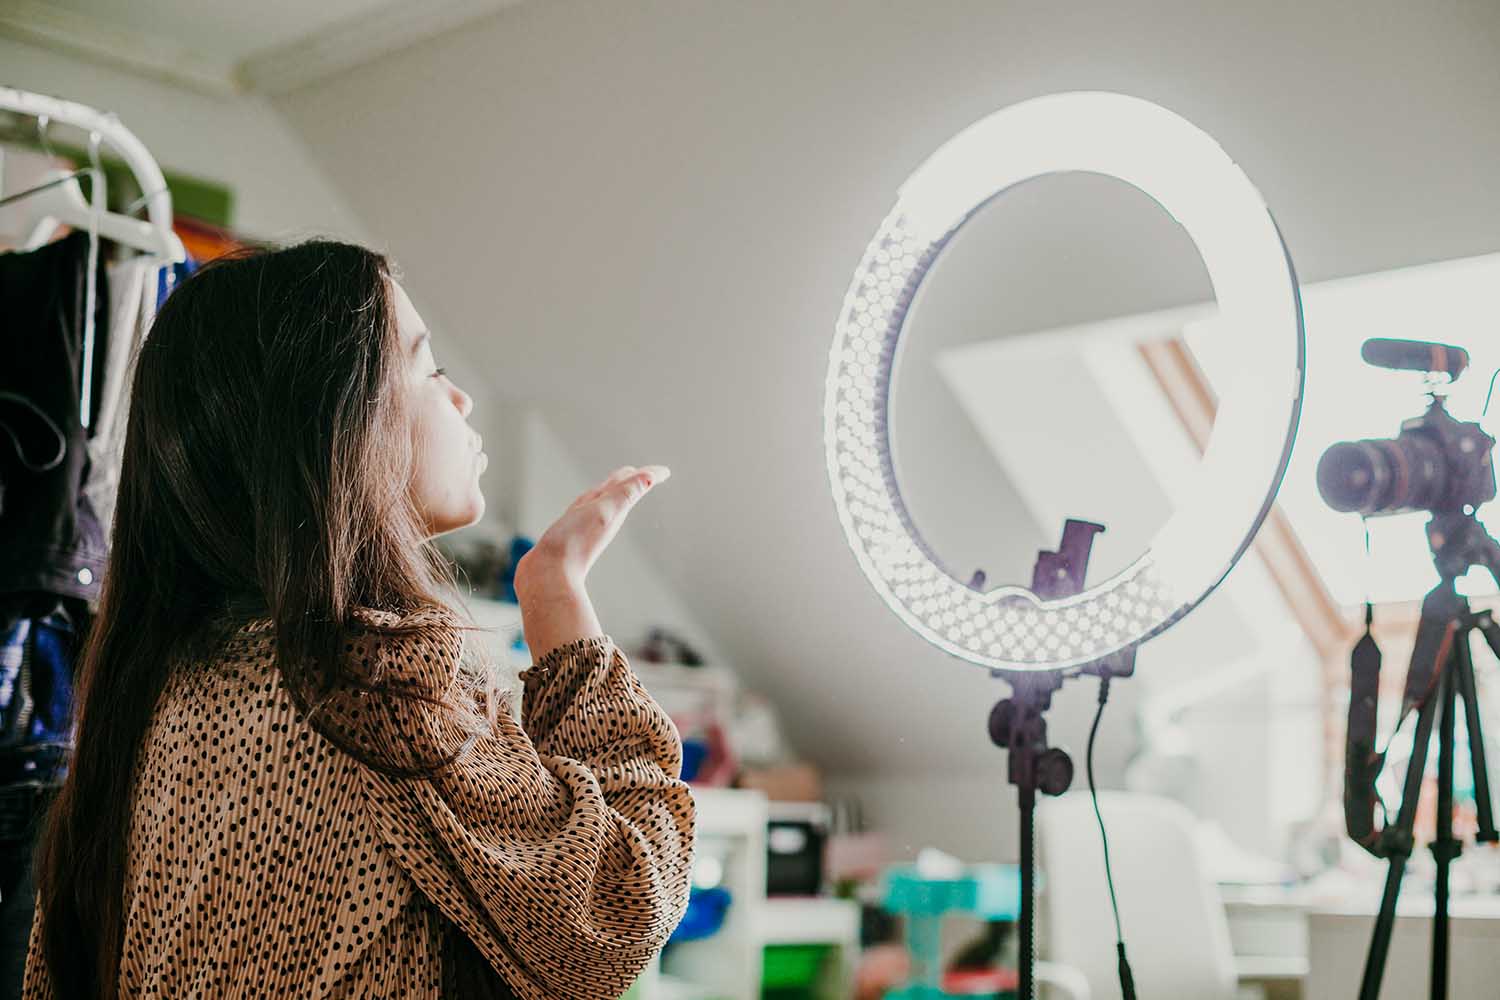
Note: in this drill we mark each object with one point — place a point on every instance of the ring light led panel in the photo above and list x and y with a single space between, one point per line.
1186 172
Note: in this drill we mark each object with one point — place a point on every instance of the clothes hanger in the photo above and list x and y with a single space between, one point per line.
63 199
59 201
91 278
92 213
156 198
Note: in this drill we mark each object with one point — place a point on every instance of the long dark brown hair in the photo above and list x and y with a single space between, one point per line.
267 470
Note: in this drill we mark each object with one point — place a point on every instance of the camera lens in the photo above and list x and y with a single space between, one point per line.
1383 475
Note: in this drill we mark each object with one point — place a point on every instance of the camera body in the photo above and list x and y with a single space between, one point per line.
1468 459
1436 463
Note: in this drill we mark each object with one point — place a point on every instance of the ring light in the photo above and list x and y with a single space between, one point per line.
1187 173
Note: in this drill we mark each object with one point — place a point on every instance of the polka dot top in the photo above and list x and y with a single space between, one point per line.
549 859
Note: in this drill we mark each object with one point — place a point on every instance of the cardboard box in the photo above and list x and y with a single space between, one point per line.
784 782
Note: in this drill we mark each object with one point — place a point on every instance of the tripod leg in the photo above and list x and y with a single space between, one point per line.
1380 941
1397 843
1482 803
1444 847
1467 691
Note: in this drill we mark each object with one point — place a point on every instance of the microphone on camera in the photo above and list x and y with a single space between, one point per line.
1415 356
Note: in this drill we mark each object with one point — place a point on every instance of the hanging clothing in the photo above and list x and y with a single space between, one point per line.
54 547
549 860
48 531
36 688
38 649
133 289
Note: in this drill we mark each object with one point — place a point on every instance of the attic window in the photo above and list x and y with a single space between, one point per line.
1453 302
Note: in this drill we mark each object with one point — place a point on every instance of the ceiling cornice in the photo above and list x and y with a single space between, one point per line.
349 43
129 49
323 53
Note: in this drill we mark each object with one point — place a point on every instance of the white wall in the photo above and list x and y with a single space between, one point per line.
242 142
641 216
628 593
644 215
283 194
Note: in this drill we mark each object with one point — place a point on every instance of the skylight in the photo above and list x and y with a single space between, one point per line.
1128 417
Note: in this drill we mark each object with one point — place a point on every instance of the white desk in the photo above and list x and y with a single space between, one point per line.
1269 935
1283 936
1339 940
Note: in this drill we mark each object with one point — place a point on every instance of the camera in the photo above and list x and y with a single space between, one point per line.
1436 463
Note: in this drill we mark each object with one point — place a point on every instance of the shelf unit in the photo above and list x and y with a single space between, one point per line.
727 965
731 825
817 920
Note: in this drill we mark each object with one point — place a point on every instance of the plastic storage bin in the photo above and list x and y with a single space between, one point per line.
790 971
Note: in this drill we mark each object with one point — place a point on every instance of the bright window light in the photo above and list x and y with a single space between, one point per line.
1452 302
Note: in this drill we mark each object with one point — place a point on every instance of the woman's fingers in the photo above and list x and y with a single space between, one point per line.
646 477
629 481
614 477
577 538
629 487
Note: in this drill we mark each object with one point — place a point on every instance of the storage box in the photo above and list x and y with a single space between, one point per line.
795 836
784 782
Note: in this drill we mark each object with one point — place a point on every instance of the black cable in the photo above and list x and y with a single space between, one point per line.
1127 980
1490 394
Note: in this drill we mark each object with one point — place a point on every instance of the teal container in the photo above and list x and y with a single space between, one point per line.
989 892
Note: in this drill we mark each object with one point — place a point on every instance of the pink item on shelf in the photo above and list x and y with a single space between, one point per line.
857 856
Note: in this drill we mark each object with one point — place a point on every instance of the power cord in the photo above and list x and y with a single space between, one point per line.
1127 980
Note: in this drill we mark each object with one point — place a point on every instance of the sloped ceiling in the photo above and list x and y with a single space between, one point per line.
642 217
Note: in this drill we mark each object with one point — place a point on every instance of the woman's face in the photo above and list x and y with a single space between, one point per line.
448 453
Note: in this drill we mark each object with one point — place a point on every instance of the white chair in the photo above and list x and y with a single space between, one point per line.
1176 933
1062 981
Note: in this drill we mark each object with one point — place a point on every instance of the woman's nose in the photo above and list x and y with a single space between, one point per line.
463 401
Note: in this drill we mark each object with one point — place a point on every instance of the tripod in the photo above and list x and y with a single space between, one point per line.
1016 724
1441 673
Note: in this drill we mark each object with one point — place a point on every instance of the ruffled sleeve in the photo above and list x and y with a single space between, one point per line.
562 846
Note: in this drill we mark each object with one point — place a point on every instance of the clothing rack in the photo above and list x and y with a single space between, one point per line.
108 127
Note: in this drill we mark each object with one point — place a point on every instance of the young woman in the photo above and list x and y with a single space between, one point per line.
293 777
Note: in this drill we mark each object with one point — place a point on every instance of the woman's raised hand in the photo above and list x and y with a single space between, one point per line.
568 549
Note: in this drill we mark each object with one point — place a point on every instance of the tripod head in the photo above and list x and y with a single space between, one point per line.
1459 542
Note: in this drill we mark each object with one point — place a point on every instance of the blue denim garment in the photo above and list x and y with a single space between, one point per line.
36 700
15 647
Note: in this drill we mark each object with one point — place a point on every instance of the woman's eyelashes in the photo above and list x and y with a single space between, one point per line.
440 373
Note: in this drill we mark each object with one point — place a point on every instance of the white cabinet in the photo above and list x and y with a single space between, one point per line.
731 828
817 920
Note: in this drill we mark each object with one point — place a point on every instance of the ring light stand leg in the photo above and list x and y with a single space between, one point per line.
1017 724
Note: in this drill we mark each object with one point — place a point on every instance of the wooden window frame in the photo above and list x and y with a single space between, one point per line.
1330 627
